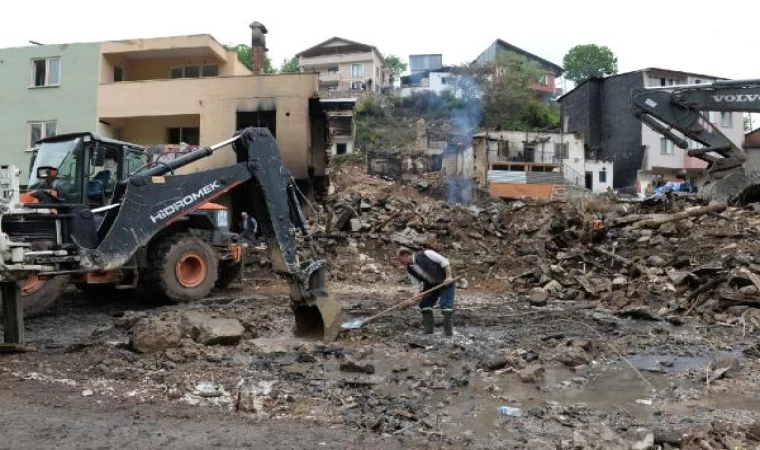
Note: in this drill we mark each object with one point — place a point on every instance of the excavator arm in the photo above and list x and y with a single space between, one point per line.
148 203
665 109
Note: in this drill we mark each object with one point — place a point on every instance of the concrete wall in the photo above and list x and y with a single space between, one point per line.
622 132
753 162
216 101
72 104
596 167
151 130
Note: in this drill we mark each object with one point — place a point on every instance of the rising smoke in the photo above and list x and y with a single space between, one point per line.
465 121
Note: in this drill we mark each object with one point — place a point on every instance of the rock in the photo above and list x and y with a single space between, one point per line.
220 332
537 444
214 358
87 393
538 297
656 241
656 261
156 334
355 224
364 206
724 364
493 363
598 436
644 440
669 437
352 366
254 396
573 356
532 374
668 229
748 290
677 277
553 287
175 356
619 283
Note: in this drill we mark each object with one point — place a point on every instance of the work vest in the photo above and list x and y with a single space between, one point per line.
433 273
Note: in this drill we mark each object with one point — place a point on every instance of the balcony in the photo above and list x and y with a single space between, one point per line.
329 77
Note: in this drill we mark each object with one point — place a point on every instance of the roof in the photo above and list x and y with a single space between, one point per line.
93 136
752 139
352 47
506 45
648 69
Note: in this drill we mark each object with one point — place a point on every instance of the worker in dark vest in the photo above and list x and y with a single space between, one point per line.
427 269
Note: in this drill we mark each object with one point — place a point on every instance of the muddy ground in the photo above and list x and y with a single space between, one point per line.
581 377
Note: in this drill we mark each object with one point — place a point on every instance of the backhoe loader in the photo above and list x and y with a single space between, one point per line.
147 226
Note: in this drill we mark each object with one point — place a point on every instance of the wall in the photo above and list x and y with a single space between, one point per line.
370 60
216 101
152 130
622 132
596 167
753 162
72 104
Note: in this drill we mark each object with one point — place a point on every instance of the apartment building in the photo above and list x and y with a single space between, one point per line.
188 89
546 86
600 109
345 65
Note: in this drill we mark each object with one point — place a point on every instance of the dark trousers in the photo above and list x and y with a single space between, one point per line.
444 297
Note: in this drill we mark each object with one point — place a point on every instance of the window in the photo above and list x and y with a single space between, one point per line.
725 120
46 72
697 81
603 175
543 80
188 135
207 70
192 72
40 130
357 70
333 70
666 146
341 149
377 72
210 70
118 74
357 85
136 160
332 88
561 150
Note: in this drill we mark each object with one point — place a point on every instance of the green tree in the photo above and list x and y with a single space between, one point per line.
290 65
396 66
585 61
244 56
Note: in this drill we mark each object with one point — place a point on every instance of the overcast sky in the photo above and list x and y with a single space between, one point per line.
720 40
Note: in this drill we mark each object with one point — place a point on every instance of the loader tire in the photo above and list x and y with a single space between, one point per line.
38 295
181 268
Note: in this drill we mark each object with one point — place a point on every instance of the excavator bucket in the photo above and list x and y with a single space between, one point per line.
319 321
319 318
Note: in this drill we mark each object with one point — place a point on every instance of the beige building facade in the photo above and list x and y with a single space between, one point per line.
345 65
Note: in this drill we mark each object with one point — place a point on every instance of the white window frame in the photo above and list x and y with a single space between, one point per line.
357 83
43 131
360 71
668 148
543 79
47 72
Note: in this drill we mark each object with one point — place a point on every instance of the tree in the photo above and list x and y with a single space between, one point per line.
396 66
244 56
291 65
585 61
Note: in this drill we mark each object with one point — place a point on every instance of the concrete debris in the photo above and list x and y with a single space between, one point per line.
349 365
155 334
219 332
532 374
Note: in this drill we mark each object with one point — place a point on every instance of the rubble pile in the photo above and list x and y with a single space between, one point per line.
669 253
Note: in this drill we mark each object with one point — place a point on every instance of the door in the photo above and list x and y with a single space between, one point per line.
590 181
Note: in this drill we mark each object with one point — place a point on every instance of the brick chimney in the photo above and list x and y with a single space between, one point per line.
258 46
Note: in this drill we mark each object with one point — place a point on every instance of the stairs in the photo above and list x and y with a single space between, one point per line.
559 192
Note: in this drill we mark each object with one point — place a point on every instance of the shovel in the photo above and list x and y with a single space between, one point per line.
358 323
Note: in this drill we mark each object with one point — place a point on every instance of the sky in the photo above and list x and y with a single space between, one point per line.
677 35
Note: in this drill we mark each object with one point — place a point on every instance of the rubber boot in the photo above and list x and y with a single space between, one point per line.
448 323
427 321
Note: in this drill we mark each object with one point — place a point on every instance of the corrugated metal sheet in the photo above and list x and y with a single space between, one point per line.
519 177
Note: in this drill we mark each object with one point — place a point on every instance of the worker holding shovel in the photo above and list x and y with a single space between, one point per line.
426 270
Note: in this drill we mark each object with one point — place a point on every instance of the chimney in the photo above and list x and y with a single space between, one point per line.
258 47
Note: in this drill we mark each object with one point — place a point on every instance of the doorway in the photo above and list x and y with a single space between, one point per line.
340 149
590 181
265 119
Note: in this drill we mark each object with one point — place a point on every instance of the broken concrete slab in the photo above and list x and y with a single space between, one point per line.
219 332
156 334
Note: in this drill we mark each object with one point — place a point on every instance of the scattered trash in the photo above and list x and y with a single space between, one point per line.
510 411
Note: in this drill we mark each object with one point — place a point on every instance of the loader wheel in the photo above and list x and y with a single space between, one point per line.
181 268
37 295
